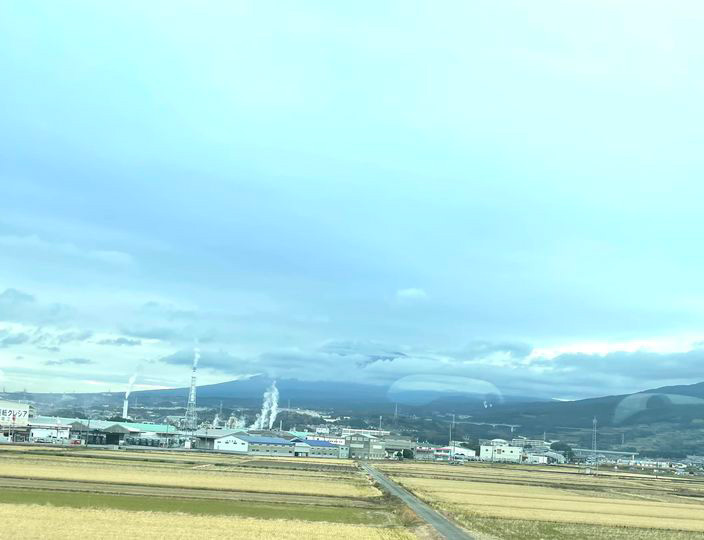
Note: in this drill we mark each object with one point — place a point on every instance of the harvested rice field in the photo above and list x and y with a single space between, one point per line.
39 522
506 501
107 494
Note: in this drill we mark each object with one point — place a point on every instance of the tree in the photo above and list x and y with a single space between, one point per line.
407 454
564 448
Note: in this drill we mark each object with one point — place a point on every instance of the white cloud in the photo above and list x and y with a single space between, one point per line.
412 293
35 243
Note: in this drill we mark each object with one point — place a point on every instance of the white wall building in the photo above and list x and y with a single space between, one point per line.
500 453
329 438
230 443
56 432
447 453
536 459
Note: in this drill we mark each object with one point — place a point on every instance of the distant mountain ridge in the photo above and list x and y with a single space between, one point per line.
671 404
326 393
668 403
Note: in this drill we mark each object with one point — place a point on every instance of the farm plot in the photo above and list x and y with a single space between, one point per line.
525 502
160 498
174 475
36 522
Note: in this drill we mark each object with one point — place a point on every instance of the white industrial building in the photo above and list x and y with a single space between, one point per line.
531 443
279 444
49 432
450 453
500 450
334 439
535 459
230 443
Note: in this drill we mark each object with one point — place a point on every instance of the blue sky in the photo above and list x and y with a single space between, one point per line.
508 192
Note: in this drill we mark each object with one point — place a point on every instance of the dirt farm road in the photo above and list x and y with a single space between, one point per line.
446 528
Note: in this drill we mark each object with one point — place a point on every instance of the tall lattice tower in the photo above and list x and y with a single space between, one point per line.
191 419
594 451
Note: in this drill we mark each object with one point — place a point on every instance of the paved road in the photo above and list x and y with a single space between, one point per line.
440 523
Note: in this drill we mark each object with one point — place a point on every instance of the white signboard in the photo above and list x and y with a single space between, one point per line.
13 414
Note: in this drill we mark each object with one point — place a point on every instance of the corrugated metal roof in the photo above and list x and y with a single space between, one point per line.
216 433
301 434
256 439
325 444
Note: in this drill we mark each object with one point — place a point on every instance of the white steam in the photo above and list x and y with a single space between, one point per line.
130 384
270 408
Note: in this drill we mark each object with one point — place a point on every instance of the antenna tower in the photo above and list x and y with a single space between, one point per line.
191 419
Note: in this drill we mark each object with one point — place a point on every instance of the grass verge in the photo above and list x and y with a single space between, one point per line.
212 507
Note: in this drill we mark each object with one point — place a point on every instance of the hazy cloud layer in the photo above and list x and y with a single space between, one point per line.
69 361
120 341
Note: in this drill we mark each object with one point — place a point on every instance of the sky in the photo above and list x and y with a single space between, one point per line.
508 192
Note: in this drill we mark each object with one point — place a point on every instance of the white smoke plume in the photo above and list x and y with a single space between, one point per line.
130 384
270 408
196 357
235 423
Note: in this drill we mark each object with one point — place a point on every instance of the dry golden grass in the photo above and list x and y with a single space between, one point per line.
61 468
506 493
39 522
624 484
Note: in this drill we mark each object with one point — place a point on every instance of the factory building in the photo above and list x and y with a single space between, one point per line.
231 443
499 450
240 441
259 445
206 438
424 453
346 432
454 453
54 432
363 446
535 459
523 442
334 439
325 449
395 444
108 432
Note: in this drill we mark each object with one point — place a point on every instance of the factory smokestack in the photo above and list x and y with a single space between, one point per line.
125 403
